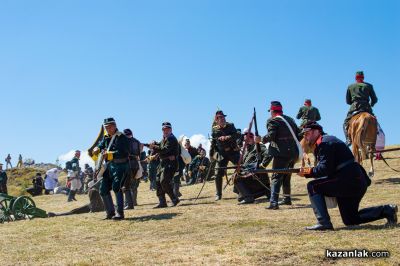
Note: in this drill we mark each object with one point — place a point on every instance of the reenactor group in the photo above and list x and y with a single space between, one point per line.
336 173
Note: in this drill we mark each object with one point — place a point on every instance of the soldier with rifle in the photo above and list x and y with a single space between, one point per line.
283 148
168 151
224 147
252 186
114 148
338 175
198 168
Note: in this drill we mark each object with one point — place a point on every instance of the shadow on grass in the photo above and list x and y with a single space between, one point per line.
197 203
153 217
367 227
391 180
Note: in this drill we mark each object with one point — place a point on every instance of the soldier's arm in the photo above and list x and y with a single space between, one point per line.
272 128
300 113
326 159
317 115
348 96
373 97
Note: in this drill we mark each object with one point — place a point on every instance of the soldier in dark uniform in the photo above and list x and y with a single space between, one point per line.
131 183
283 149
168 151
193 153
338 175
153 162
8 161
73 176
198 168
248 187
308 113
116 157
224 147
361 97
38 185
89 176
3 180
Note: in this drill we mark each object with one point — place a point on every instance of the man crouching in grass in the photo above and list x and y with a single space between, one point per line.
338 175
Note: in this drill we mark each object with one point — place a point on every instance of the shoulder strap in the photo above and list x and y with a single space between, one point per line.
294 137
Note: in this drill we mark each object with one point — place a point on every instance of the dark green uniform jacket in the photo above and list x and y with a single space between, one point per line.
361 97
223 147
169 146
251 155
120 146
281 140
308 113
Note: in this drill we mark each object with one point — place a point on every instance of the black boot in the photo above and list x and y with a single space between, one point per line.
73 195
376 213
321 213
134 197
176 190
285 201
346 134
218 186
109 206
162 203
128 200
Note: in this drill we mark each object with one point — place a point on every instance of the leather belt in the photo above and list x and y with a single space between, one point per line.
124 160
344 164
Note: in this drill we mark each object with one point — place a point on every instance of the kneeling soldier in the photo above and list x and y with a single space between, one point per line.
338 175
115 149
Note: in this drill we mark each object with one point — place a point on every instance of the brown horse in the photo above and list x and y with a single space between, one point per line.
363 132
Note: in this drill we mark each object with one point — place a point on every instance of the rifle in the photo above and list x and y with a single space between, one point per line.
258 147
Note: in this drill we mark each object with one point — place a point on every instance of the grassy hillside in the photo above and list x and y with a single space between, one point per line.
205 232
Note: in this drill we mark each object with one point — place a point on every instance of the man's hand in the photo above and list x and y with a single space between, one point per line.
257 139
96 151
202 167
224 138
305 171
190 173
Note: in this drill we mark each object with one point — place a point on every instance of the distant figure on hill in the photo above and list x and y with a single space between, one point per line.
73 175
8 161
3 180
20 163
308 113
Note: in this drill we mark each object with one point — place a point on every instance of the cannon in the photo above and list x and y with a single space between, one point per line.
18 208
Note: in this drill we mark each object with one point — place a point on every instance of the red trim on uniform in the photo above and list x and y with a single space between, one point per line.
319 140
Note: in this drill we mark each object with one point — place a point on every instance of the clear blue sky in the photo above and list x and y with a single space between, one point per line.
66 65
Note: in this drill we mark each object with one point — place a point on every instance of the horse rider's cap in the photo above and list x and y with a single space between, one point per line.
275 106
109 121
128 132
166 125
220 113
310 125
359 73
307 101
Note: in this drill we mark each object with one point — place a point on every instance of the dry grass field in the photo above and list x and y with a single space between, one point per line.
207 232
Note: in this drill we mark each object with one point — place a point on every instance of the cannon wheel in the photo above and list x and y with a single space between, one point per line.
5 215
23 207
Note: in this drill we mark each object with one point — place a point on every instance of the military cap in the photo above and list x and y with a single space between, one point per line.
128 132
166 125
219 113
307 101
275 106
359 73
187 140
109 121
310 125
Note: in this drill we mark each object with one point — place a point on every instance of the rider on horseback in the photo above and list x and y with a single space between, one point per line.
358 97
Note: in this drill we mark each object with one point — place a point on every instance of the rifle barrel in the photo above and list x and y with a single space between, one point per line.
279 171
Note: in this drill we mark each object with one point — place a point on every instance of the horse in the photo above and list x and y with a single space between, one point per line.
363 128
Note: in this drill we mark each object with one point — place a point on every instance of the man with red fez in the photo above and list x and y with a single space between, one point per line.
283 149
308 113
361 97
